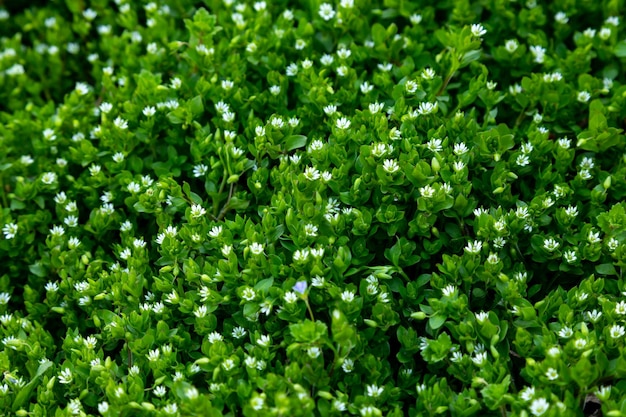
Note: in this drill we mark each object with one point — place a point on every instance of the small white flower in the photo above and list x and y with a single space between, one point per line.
57 231
215 337
200 311
326 11
226 250
499 242
589 32
564 143
585 174
604 392
449 291
410 87
583 96
347 365
391 166
197 211
50 22
550 244
120 123
428 74
515 89
318 281
561 18
580 343
539 406
493 259
200 170
292 69
153 355
605 33
570 256
571 211
552 374
264 341
343 53
480 358
612 20
310 230
374 390
427 191
311 173
511 45
104 29
125 254
238 332
460 149
257 403
133 187
139 243
539 53
415 19
593 237
149 111
228 364
347 296
474 247
118 157
478 30
426 108
10 230
256 248
66 377
554 352
89 14
594 315
248 294
366 87
434 145
275 90
527 393
482 316
94 170
617 331
343 123
215 232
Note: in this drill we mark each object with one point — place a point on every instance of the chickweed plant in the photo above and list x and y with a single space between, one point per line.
312 208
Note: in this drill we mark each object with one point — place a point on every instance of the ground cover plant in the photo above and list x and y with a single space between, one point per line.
312 208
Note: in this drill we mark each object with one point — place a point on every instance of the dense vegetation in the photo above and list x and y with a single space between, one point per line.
307 208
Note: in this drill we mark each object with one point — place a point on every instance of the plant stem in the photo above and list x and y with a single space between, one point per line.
225 208
308 307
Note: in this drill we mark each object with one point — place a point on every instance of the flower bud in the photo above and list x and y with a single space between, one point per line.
418 315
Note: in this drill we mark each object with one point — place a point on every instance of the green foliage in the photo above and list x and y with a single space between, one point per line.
305 208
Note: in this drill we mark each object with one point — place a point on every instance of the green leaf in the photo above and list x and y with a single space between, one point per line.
606 269
436 321
196 106
38 269
308 331
294 142
620 49
264 285
26 391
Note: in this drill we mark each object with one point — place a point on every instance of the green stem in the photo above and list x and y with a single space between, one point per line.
308 307
519 119
222 185
226 207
